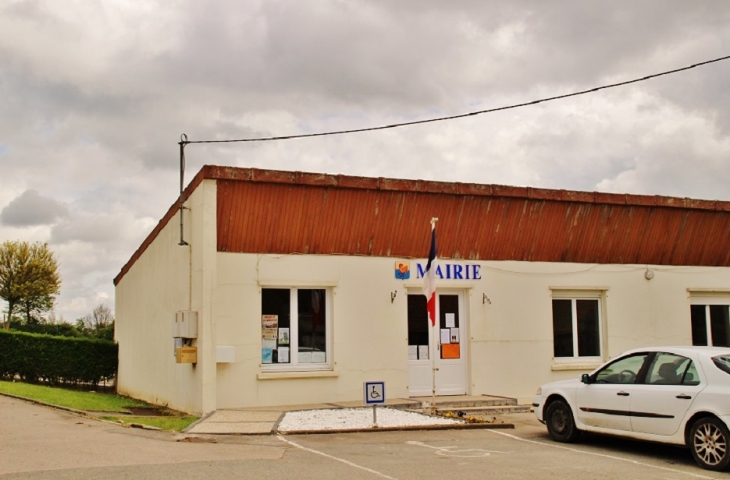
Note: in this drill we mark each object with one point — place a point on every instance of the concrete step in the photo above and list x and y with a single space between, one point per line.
487 410
446 403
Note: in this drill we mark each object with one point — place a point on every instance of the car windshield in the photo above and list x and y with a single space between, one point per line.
722 362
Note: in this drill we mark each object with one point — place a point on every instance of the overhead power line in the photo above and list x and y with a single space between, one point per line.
184 140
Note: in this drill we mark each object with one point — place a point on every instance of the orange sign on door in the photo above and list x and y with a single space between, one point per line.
450 350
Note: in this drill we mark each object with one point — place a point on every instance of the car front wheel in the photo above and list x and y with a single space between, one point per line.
709 442
560 422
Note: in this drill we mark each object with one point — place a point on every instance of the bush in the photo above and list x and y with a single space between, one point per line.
56 360
62 329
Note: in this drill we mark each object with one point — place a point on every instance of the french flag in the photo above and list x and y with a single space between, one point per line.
429 277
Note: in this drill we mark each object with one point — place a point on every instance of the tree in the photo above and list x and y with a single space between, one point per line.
99 323
29 279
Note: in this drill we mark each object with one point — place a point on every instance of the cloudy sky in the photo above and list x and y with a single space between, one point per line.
95 94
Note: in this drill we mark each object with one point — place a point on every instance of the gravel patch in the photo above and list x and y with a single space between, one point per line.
352 418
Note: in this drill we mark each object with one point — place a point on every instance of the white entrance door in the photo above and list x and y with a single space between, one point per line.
442 347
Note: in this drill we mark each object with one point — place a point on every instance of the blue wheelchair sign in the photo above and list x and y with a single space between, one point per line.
374 392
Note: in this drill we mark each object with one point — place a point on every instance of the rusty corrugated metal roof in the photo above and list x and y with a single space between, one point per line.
267 211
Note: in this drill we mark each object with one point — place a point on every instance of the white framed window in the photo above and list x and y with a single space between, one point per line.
577 326
296 329
710 319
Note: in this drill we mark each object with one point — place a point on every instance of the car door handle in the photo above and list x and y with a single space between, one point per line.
623 394
684 397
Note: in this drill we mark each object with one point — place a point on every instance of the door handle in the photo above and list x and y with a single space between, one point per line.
684 397
623 394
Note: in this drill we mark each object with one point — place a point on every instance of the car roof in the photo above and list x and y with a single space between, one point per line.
684 350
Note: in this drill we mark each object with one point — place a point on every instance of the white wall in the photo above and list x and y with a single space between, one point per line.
369 332
147 297
511 347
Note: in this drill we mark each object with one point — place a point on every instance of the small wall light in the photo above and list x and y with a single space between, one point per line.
485 299
649 274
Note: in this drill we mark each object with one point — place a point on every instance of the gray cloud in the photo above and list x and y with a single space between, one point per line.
31 209
96 97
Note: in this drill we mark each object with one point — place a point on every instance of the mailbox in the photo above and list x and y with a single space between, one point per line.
186 355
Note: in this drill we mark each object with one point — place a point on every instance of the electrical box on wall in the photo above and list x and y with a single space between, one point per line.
225 354
186 355
186 324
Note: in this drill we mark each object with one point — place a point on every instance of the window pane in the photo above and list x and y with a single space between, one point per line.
417 320
588 334
691 377
722 362
667 369
562 328
448 311
720 325
622 371
699 325
275 310
312 333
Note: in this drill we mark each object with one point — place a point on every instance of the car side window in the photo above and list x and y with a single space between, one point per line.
670 369
624 370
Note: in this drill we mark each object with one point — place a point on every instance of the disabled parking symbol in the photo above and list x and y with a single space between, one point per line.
374 393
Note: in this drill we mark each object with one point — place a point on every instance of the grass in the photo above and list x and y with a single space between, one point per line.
98 402
63 397
166 423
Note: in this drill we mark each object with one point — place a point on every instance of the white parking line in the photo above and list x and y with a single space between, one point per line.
334 458
515 437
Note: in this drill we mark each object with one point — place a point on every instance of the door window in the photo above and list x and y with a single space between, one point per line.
670 369
449 326
624 370
418 326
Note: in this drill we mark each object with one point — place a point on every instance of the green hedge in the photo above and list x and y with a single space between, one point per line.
36 357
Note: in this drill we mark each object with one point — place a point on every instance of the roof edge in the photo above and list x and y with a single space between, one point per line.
456 188
214 172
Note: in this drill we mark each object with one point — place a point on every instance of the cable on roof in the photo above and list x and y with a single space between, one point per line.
462 115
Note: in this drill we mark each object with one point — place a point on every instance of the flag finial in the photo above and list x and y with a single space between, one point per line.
433 222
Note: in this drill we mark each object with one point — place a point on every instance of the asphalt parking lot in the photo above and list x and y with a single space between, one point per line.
38 443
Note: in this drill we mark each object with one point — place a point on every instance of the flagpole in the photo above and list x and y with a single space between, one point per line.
433 320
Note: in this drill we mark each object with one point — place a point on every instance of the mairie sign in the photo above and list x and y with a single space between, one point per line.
444 270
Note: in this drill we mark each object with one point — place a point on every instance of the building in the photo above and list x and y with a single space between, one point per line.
307 285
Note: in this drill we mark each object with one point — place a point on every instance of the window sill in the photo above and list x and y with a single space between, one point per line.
296 375
557 367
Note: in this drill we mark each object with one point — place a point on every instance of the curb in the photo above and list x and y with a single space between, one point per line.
465 426
201 419
80 413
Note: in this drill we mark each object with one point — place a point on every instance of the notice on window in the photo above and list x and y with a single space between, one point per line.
412 352
283 336
269 321
423 352
319 357
445 336
454 335
450 351
269 333
450 320
305 357
267 350
283 354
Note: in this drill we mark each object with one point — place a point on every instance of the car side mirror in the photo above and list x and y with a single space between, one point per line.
585 378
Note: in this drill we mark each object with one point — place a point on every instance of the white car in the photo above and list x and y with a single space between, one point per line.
677 395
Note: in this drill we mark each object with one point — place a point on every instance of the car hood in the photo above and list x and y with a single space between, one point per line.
571 382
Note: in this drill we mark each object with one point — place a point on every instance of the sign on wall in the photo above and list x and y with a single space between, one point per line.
444 271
